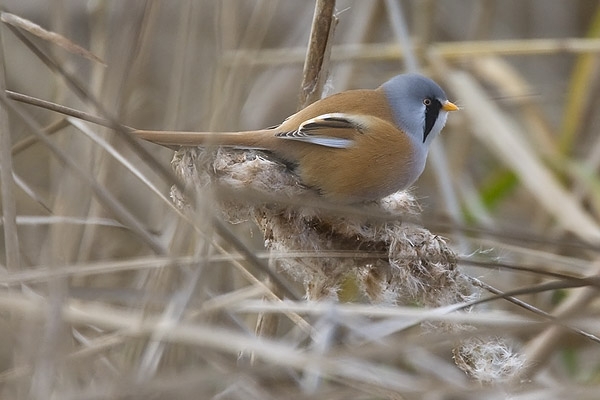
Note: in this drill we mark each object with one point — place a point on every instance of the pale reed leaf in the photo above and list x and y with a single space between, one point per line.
50 36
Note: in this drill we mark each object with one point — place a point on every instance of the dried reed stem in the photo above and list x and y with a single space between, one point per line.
580 93
391 51
9 206
542 347
103 196
518 155
317 58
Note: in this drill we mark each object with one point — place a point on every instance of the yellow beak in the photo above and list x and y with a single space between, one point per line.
449 106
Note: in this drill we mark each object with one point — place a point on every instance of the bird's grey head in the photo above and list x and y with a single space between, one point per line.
419 105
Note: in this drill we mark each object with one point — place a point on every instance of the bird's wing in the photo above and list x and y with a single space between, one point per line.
336 130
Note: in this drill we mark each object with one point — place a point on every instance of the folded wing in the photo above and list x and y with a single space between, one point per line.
337 130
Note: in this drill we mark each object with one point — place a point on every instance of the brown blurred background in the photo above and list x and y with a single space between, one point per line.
237 65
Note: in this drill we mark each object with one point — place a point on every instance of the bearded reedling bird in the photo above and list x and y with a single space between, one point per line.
354 146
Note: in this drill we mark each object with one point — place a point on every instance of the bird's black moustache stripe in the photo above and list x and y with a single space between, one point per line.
431 115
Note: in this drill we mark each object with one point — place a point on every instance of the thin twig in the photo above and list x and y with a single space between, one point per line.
29 141
535 310
541 347
48 105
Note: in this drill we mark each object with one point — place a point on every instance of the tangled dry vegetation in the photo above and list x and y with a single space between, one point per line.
221 276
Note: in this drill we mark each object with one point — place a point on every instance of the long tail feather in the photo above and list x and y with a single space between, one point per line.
248 139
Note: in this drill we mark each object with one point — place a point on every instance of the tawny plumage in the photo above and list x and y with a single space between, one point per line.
357 145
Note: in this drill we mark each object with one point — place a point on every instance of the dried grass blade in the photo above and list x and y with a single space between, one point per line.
7 195
25 187
103 196
49 36
505 140
82 127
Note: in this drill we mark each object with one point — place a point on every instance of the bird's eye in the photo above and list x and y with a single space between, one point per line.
427 102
